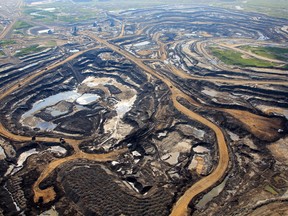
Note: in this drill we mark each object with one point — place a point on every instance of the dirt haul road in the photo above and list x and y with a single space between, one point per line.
181 206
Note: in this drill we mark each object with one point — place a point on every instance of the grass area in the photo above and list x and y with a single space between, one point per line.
67 13
21 25
62 6
7 42
39 14
86 10
270 7
253 5
29 50
268 3
273 8
269 52
73 19
231 57
270 190
50 44
18 32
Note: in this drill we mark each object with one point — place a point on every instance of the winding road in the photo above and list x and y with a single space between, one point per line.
181 206
49 194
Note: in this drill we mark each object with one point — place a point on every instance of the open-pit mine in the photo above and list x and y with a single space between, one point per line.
166 110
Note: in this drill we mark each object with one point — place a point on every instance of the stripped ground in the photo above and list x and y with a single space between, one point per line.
261 127
48 194
181 206
266 128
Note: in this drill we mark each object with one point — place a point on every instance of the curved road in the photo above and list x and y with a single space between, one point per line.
38 73
181 206
49 194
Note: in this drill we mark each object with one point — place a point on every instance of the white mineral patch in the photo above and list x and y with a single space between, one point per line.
68 80
142 43
163 134
22 158
74 51
199 134
35 14
200 149
114 163
49 9
183 146
171 158
94 82
125 106
132 185
210 92
136 153
58 149
233 136
165 157
28 66
86 99
9 170
116 126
